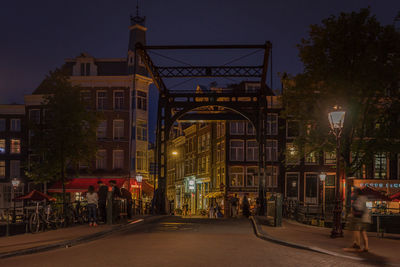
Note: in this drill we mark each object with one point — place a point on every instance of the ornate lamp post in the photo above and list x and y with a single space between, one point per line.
139 179
336 121
15 183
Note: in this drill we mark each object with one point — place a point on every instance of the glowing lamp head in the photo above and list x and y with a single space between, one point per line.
174 153
322 176
336 119
15 182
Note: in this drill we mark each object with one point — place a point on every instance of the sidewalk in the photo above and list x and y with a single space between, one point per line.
30 243
381 250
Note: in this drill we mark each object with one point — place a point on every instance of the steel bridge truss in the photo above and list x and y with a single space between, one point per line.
172 105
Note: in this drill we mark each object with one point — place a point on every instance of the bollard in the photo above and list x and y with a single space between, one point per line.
8 224
109 208
278 210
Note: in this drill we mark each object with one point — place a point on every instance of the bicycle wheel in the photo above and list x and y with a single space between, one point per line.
34 223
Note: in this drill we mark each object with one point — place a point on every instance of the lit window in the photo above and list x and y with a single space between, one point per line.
380 166
252 176
236 176
311 157
15 146
2 146
292 154
2 169
330 157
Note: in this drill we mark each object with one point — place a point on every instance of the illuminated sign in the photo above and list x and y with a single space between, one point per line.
381 185
191 184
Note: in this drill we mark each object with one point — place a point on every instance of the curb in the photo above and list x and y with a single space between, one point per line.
262 235
80 240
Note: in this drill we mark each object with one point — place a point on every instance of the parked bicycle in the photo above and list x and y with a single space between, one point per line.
44 218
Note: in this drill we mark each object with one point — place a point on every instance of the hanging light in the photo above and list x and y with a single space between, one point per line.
336 119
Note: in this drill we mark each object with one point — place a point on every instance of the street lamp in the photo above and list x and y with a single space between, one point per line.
15 183
139 179
336 121
322 177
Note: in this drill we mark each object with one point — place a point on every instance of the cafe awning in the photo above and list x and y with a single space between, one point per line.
82 184
214 195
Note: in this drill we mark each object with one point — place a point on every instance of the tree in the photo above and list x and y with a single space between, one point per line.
351 61
67 134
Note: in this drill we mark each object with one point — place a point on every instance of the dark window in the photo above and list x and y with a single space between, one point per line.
292 186
141 100
292 128
87 69
82 69
2 125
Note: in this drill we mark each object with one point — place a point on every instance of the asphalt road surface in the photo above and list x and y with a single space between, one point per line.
175 241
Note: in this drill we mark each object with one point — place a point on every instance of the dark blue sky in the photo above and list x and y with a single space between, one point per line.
36 36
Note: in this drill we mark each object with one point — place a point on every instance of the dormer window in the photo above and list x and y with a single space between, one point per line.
85 69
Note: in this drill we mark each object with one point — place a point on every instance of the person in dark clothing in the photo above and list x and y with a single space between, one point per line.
128 196
102 194
245 206
116 194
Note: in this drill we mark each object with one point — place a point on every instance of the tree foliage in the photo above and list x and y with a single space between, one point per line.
66 135
351 61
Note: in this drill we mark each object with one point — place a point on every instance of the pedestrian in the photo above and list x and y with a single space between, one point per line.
246 206
359 221
92 200
128 198
116 194
102 194
234 206
211 210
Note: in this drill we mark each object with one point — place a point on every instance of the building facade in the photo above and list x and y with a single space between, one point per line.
13 151
118 89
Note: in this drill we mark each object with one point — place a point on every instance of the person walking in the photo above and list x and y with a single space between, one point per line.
246 206
234 206
102 195
92 200
359 221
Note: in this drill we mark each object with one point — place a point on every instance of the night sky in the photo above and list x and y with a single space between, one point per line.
36 36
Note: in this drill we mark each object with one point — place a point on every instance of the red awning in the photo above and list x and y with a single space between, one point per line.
395 197
35 196
147 188
82 184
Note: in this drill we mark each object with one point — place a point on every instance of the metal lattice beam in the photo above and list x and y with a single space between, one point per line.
207 71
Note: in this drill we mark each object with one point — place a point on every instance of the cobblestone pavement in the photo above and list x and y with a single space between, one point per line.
176 241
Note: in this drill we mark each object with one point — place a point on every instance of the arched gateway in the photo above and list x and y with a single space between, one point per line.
172 105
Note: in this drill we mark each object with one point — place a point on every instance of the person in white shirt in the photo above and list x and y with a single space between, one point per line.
92 201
